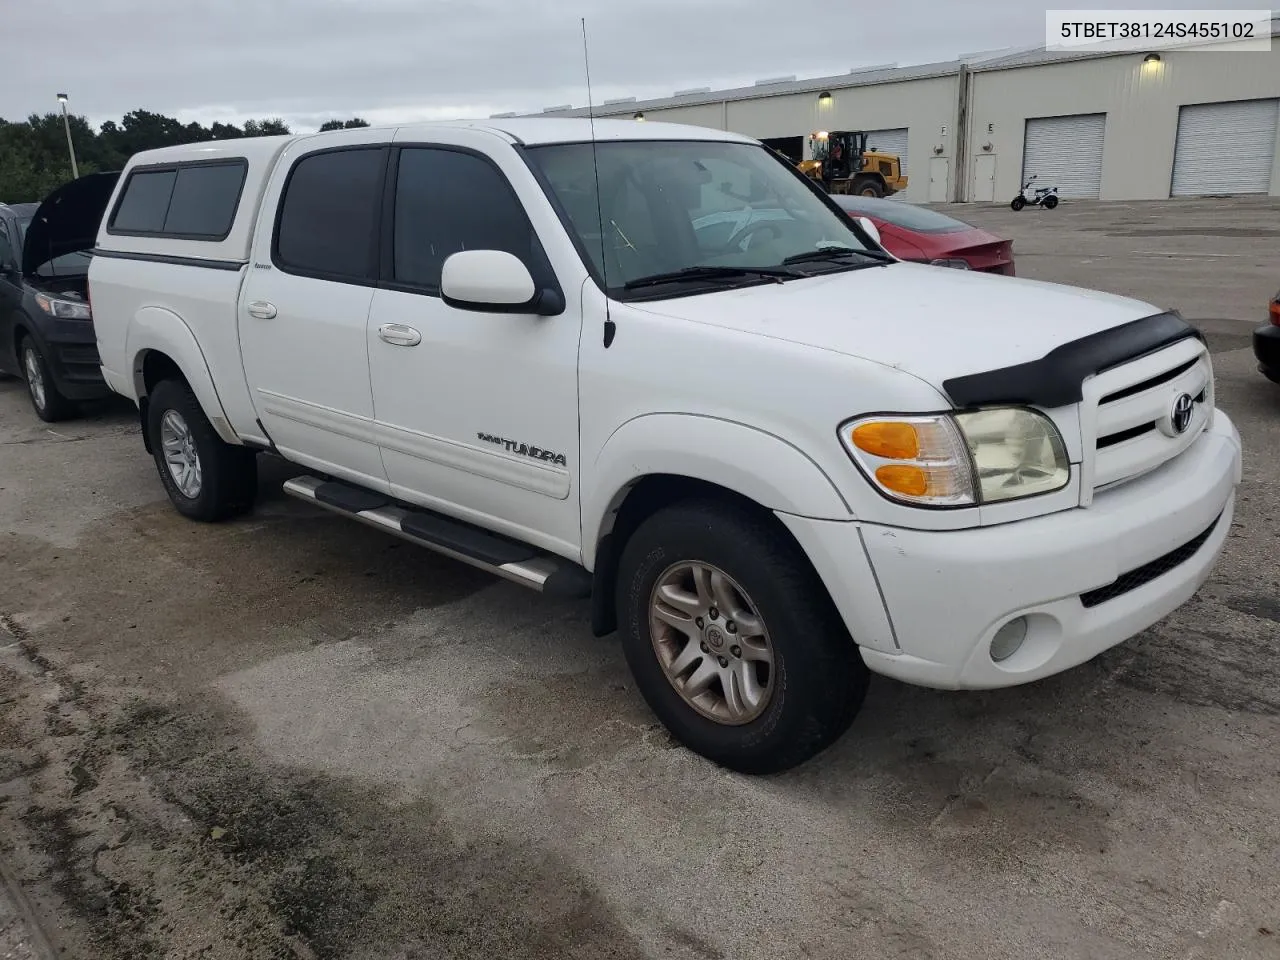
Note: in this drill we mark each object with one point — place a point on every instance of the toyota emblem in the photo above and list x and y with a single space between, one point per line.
1180 416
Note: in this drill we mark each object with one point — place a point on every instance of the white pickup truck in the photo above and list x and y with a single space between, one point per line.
655 366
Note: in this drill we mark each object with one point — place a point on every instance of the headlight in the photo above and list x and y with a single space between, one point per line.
950 460
63 309
958 264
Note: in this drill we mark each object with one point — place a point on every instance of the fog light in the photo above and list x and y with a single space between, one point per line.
1008 639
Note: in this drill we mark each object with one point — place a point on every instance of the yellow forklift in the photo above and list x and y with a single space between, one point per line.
843 164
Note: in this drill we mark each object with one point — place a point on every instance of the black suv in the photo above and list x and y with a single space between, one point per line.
46 324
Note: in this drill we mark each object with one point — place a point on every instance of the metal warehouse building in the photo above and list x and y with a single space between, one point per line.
1099 126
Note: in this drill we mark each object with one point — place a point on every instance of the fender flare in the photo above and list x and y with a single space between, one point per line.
760 466
154 328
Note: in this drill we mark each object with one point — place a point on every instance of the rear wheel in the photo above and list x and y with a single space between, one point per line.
50 405
732 638
1018 203
206 478
1050 202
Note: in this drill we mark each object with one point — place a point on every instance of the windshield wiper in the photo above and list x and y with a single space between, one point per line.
837 253
709 272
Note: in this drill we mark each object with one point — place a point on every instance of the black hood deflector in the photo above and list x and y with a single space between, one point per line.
68 220
1055 379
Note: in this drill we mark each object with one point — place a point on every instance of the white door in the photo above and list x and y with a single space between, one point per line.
304 308
939 175
479 418
1066 152
1225 148
984 177
890 141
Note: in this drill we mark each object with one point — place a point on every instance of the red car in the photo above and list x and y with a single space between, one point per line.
926 236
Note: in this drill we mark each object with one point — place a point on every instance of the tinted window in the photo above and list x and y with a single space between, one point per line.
145 202
902 214
204 200
448 201
197 202
328 214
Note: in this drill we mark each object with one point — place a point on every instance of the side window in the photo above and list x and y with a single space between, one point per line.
204 200
447 201
328 213
145 202
8 252
196 202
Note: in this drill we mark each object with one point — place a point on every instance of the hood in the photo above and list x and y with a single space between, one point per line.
67 220
933 322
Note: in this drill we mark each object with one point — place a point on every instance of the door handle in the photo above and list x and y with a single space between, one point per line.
262 310
399 335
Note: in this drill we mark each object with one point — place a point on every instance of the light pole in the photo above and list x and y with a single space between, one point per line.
71 148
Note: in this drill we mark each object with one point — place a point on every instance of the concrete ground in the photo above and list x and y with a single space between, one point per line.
290 736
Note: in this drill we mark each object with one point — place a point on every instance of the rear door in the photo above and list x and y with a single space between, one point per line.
304 306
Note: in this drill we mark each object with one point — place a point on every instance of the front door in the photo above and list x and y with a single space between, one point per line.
304 309
477 412
984 177
10 292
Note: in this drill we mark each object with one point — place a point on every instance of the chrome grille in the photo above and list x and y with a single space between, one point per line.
1127 414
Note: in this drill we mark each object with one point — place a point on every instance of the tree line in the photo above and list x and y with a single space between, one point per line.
34 159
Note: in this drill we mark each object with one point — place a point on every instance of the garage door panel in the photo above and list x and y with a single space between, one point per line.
1225 148
1066 152
890 141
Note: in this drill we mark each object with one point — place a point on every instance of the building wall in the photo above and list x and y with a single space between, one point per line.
927 108
1141 103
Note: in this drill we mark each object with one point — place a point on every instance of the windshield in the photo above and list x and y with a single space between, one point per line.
901 214
23 223
706 208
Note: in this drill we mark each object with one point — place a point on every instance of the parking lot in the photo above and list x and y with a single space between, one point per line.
291 736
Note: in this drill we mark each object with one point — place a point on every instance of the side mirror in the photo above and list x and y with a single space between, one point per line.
870 229
494 281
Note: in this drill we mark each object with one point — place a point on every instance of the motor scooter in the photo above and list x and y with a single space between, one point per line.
1046 197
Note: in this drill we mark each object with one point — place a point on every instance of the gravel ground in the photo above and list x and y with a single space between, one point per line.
293 737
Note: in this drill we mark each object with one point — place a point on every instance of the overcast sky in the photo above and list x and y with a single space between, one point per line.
399 60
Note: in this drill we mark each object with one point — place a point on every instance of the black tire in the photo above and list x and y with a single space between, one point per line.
1050 202
1017 204
47 401
818 679
868 187
229 474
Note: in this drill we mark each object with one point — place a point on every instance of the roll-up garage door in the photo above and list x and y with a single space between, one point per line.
890 141
1066 152
1225 148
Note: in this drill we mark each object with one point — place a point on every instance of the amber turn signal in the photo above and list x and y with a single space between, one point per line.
891 439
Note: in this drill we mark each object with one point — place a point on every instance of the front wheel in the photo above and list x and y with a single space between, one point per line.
1017 204
49 403
733 640
868 187
206 478
1050 202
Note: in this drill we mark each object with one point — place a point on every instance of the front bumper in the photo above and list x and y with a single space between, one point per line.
1136 554
70 349
1266 347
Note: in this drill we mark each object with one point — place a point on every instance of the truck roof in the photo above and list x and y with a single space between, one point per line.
527 130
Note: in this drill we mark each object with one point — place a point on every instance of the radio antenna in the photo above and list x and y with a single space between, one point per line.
610 328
